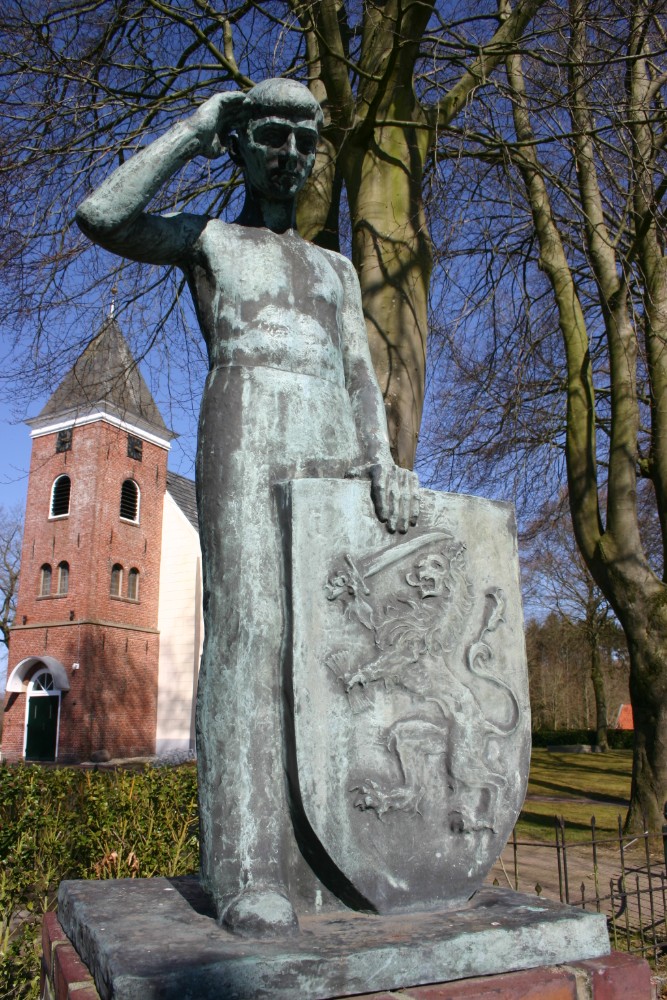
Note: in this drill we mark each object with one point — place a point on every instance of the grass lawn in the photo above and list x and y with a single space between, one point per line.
575 786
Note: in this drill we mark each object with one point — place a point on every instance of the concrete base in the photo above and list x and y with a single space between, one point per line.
145 939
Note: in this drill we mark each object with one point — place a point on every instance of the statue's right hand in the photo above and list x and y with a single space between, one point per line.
395 494
214 119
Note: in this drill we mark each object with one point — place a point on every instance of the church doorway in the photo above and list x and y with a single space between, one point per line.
42 718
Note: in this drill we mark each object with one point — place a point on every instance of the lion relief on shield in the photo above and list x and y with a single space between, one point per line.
460 708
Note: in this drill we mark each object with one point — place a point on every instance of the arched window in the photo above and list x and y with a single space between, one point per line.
129 501
116 579
63 577
60 496
133 584
42 683
45 581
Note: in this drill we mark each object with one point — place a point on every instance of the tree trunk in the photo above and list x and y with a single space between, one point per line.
391 251
645 625
382 135
613 552
597 677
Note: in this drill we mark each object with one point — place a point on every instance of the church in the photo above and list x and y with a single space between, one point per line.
104 651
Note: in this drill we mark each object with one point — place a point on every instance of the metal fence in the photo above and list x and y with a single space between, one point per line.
623 876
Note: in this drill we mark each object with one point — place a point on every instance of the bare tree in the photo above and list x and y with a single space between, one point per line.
11 533
561 690
570 242
556 577
87 83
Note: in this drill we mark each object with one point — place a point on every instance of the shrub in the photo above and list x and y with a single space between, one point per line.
68 823
618 739
562 737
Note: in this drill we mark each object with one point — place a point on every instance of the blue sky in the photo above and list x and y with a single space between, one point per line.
13 479
15 457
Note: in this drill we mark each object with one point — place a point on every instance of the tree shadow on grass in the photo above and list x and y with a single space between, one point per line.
533 819
572 792
590 769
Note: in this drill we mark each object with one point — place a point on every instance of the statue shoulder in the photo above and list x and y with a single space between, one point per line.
216 232
342 265
215 241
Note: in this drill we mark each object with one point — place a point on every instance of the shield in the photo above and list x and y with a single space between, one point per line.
409 735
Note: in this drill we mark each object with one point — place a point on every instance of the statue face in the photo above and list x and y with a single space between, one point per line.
278 154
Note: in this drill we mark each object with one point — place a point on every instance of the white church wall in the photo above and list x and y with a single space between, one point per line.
181 630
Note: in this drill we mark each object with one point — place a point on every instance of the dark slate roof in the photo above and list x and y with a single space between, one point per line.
106 377
183 492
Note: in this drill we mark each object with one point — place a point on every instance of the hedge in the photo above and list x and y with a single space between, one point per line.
618 739
69 823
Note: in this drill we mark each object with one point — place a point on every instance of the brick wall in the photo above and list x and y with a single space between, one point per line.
112 699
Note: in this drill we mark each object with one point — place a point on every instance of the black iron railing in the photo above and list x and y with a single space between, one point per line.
623 876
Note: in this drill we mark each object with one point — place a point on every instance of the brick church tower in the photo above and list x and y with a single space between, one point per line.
84 650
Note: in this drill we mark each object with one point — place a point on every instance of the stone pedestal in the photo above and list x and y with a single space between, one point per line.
617 976
149 938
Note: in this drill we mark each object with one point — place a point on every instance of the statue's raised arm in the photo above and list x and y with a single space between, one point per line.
271 133
114 215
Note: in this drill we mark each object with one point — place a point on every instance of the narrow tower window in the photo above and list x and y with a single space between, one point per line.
135 447
45 581
64 440
63 577
133 584
60 495
116 579
129 501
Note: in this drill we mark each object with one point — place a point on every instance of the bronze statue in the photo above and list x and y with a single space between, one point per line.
290 393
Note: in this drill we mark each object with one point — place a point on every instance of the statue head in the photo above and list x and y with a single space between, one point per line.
276 144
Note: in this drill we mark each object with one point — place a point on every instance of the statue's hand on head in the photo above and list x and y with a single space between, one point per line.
215 118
